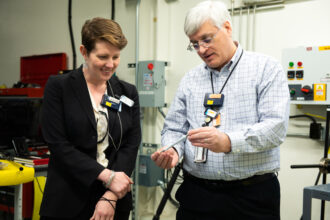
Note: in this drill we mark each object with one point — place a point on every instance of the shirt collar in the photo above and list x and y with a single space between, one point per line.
228 66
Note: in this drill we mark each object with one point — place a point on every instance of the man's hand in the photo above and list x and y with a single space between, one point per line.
211 138
167 159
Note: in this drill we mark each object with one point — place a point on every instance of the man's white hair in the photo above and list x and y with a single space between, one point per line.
214 11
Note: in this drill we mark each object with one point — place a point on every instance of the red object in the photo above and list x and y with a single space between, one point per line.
42 161
150 66
5 208
27 200
305 90
29 92
32 160
41 151
37 69
299 63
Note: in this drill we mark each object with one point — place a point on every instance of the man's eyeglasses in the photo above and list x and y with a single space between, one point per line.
204 43
101 123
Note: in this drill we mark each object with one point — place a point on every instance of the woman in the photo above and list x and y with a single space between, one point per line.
93 146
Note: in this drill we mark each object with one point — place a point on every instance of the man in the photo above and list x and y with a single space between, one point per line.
241 129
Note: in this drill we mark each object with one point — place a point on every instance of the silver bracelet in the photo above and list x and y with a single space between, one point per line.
112 175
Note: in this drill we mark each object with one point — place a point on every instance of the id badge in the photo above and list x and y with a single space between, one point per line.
217 120
200 155
111 102
213 100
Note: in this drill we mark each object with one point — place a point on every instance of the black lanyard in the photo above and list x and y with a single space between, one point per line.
232 70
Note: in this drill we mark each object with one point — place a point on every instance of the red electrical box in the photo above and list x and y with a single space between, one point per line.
36 70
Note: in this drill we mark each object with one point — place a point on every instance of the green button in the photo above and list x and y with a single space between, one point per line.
291 64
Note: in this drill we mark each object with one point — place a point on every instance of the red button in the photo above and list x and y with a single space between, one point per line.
299 63
150 66
305 90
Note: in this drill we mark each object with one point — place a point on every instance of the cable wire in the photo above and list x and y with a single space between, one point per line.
71 36
113 10
306 116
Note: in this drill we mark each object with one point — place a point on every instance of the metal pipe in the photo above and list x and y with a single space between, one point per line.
232 10
247 29
232 7
265 3
240 25
254 28
135 213
259 8
137 40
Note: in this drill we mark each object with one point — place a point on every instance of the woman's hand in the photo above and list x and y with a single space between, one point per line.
103 209
121 184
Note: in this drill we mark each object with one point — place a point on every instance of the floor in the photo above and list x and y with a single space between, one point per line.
294 151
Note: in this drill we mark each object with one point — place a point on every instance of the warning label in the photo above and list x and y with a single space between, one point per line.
324 48
319 92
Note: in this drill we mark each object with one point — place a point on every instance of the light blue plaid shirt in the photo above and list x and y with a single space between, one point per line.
254 115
